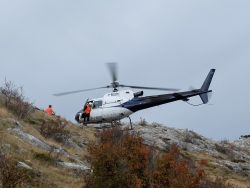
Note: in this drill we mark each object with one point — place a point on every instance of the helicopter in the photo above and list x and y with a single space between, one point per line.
120 104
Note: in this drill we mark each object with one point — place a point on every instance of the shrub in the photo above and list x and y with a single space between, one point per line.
204 162
191 137
54 128
228 149
221 148
10 175
44 157
121 159
143 122
14 100
49 157
173 171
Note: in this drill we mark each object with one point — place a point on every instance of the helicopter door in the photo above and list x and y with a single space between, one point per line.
97 110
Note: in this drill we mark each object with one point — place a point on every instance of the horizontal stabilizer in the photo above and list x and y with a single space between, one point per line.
204 97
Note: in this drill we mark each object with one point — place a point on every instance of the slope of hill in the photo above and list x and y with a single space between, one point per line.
55 161
61 159
230 160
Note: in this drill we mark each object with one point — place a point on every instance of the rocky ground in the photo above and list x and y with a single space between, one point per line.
227 159
64 163
56 163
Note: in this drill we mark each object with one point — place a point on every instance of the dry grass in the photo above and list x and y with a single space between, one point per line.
4 113
62 177
214 172
11 175
239 182
54 175
51 175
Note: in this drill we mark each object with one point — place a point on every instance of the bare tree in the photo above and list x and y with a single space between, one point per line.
15 101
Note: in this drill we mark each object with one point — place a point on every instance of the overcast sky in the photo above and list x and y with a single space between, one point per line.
54 46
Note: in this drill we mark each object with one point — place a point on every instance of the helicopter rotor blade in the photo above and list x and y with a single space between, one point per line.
153 88
78 91
112 66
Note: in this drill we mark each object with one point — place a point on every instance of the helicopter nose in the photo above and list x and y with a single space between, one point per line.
77 117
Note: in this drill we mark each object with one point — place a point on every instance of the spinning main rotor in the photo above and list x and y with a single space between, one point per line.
114 84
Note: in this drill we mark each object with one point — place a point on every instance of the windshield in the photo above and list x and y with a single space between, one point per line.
97 104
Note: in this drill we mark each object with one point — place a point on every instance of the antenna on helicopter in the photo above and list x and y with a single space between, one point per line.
112 66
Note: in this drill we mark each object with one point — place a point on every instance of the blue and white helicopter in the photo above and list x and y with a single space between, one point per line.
120 104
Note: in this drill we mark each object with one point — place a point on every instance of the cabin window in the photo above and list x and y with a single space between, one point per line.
97 104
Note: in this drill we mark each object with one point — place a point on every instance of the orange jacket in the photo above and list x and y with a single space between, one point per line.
49 111
87 109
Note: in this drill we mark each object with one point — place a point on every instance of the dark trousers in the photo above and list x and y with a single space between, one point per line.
85 117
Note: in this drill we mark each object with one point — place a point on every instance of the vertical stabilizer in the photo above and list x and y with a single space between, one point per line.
205 86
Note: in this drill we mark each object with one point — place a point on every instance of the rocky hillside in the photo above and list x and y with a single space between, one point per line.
61 159
230 160
227 159
58 160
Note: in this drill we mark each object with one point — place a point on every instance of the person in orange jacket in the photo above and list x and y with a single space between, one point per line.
49 110
86 112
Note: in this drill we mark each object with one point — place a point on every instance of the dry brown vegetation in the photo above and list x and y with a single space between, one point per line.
15 101
45 171
120 159
11 175
54 128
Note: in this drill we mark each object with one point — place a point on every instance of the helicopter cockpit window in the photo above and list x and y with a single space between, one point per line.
97 104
